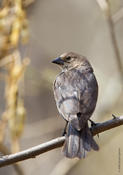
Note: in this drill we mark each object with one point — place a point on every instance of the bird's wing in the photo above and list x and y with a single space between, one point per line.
68 89
74 93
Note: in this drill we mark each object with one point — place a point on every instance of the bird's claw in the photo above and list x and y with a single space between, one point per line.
64 133
93 123
65 128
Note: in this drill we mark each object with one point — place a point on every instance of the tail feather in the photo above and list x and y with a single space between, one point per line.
78 142
71 146
81 152
88 141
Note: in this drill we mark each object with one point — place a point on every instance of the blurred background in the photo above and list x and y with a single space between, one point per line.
56 27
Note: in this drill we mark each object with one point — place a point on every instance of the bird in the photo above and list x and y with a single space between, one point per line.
76 91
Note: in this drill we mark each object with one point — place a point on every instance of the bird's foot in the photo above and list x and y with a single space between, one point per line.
65 128
93 124
64 133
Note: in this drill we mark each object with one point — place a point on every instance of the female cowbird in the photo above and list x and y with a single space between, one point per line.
76 91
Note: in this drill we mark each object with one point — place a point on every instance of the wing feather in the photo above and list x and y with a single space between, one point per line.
74 93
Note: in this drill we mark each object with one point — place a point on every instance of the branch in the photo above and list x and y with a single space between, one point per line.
4 151
56 143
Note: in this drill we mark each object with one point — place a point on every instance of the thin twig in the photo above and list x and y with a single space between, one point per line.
4 151
101 127
55 143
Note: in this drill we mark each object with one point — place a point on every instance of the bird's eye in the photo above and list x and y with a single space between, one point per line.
68 58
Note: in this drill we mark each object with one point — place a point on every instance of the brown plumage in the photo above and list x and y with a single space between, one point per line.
76 91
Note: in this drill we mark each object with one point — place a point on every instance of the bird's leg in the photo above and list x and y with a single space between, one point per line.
64 131
93 124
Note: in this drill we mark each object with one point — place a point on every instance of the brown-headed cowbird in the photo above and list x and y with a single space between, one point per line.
76 91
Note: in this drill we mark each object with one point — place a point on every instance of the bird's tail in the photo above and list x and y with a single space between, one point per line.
77 142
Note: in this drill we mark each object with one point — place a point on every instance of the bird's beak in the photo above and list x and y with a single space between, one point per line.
58 61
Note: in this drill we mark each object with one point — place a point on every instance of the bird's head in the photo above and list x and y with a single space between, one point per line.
71 60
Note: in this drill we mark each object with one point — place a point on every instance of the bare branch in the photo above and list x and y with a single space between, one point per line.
101 127
4 151
56 143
